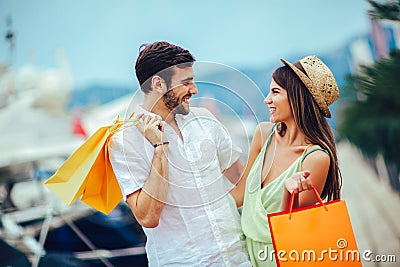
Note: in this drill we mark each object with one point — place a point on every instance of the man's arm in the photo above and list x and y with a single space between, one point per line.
148 202
259 138
234 172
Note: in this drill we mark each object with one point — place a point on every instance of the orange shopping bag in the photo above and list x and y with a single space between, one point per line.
319 235
88 173
102 191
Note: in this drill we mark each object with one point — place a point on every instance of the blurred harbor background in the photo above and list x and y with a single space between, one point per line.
66 68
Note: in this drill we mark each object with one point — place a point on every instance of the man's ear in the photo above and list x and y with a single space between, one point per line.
158 84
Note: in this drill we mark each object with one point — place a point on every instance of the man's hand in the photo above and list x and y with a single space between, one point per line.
152 128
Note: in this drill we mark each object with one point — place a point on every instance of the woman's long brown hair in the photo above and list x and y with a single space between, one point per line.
311 121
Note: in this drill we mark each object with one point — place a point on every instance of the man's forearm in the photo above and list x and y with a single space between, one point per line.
150 201
234 172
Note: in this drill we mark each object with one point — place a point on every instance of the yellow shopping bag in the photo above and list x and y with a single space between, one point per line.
102 191
88 173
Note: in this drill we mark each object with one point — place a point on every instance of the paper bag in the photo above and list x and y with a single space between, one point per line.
88 173
319 235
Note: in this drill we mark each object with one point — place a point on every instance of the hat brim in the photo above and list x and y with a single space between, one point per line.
310 86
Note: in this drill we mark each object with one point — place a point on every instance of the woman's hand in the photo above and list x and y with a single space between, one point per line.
298 182
152 128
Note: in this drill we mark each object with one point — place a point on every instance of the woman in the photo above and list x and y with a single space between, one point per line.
292 152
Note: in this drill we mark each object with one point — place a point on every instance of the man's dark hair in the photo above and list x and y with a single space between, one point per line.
158 58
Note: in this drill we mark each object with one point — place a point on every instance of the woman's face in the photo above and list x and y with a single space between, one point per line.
278 103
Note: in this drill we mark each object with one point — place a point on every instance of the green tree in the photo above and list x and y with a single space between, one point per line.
372 120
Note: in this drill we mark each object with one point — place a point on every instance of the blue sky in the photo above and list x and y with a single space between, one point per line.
101 38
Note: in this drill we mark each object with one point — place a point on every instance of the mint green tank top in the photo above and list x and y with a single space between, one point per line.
258 202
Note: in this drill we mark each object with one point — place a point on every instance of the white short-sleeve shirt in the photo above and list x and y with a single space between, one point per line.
200 224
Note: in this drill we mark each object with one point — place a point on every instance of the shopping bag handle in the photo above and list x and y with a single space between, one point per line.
292 200
121 124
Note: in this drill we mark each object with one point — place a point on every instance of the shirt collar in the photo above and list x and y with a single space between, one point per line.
140 110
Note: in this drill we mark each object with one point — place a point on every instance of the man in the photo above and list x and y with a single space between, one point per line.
172 168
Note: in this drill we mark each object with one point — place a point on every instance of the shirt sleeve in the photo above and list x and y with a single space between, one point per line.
130 160
228 152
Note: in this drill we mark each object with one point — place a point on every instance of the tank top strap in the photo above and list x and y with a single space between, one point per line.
269 137
311 151
264 147
254 176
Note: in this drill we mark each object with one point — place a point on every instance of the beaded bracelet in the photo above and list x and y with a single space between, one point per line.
160 144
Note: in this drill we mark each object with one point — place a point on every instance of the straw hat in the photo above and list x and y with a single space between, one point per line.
319 81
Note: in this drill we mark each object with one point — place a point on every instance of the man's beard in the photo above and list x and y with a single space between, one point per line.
171 101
